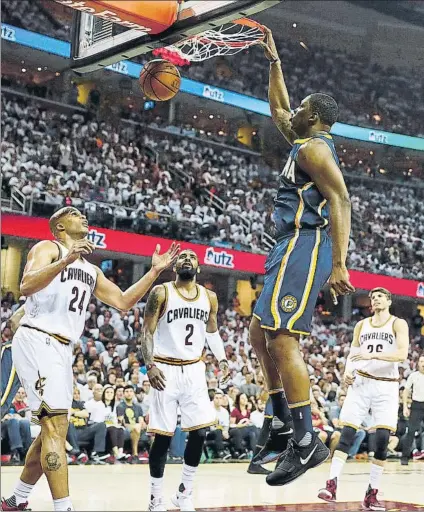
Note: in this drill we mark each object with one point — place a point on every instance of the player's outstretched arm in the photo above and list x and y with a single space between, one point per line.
278 95
214 339
110 294
401 330
43 264
316 159
155 303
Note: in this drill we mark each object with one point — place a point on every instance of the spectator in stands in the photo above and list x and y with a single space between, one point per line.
326 433
242 429
115 430
130 414
15 427
218 434
87 425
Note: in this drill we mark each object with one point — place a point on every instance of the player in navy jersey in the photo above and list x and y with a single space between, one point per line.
311 198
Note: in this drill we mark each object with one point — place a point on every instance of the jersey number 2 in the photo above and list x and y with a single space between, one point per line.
190 330
75 293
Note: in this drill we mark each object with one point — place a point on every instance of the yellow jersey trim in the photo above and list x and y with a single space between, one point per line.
309 282
302 141
369 376
9 385
382 325
57 337
279 282
174 362
186 298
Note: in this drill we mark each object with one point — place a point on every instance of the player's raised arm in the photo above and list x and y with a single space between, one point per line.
213 337
110 294
155 303
44 264
278 95
401 330
316 159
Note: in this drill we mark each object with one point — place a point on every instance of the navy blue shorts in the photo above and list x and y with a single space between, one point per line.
9 379
296 269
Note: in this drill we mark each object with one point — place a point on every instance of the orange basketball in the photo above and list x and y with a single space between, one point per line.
160 80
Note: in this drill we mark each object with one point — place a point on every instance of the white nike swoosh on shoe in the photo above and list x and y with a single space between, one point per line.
287 433
305 461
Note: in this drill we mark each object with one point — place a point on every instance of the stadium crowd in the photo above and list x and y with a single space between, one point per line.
134 178
110 410
387 98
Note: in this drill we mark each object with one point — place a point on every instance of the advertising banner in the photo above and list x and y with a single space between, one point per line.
35 228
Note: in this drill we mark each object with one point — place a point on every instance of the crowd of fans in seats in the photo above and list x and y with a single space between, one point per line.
385 98
110 410
133 178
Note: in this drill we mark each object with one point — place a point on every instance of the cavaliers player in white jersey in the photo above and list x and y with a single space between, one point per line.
179 317
379 344
58 282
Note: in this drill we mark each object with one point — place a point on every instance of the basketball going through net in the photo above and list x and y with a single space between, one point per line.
228 39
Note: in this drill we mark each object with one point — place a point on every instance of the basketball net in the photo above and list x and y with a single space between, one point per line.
228 39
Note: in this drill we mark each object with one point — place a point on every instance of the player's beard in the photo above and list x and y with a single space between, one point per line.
186 274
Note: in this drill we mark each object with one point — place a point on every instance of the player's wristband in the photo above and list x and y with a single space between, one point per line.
150 366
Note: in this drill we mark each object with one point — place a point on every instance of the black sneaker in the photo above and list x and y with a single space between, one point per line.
297 460
276 444
256 469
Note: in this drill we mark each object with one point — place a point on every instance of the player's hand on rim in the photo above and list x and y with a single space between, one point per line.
79 248
268 44
156 378
340 283
161 261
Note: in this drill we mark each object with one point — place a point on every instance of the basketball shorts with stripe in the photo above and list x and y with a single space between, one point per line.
186 393
44 367
296 269
381 397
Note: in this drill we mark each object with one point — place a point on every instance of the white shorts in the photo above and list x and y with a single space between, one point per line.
186 390
365 394
44 367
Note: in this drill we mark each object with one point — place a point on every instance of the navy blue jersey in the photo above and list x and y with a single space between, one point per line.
299 204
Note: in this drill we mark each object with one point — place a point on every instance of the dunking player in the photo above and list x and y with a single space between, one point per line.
302 260
179 317
379 344
58 282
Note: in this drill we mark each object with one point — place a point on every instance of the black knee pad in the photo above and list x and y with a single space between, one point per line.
194 447
346 439
382 438
158 454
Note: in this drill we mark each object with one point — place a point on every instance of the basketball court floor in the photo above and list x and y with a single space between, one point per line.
228 487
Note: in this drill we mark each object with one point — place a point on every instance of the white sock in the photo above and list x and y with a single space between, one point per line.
375 475
188 477
336 469
22 492
63 504
156 485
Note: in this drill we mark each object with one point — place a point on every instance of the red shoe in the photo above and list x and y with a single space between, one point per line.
10 508
418 455
371 501
329 493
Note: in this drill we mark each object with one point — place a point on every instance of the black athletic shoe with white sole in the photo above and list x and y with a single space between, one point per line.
275 445
297 460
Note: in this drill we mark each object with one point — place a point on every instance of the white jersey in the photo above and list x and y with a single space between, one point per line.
376 339
60 307
181 329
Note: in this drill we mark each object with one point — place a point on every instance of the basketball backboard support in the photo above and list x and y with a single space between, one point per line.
97 43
